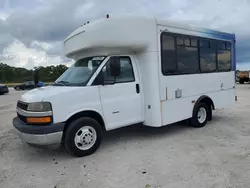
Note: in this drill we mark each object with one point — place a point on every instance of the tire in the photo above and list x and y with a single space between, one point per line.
17 88
200 115
86 128
241 81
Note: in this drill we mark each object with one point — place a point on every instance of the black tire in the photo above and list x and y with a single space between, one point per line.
73 128
17 88
241 81
194 121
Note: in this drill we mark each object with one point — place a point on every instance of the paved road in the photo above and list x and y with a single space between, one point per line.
174 157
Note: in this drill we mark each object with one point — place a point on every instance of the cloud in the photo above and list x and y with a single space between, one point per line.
41 25
47 23
17 54
5 37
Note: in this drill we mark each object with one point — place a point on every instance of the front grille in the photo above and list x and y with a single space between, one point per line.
22 118
22 105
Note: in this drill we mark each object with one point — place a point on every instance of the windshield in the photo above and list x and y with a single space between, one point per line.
80 72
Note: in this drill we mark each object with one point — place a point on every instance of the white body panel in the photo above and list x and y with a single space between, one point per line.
121 104
66 101
112 35
192 88
156 104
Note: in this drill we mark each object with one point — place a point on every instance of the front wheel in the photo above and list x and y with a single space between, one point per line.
83 137
200 115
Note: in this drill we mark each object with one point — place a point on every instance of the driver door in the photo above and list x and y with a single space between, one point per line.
121 97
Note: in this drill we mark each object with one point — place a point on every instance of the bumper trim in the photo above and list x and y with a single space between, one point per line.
44 139
37 129
39 134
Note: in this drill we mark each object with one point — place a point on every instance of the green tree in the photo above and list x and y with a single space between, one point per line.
11 74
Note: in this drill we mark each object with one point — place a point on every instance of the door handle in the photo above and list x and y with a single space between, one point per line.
137 88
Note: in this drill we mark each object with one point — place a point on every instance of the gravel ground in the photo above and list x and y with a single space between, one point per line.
174 156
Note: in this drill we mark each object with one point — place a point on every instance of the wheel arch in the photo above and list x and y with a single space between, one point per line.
205 99
86 113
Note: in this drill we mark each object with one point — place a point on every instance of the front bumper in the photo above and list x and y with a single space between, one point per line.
39 134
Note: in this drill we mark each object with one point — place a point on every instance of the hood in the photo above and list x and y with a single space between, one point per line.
1 85
44 93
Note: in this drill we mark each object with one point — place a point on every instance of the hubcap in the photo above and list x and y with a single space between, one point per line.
202 115
85 138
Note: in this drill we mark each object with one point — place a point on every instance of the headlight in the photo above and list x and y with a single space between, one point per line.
39 107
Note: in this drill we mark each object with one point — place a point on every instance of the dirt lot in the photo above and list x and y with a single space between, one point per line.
176 156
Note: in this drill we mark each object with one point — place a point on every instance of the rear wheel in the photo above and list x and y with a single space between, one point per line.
200 115
241 81
17 88
83 137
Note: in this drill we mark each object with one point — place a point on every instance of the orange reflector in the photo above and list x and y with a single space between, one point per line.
39 120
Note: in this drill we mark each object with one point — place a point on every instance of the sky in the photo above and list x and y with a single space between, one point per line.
32 31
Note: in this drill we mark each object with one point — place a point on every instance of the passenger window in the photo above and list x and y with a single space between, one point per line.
180 41
224 60
228 45
221 45
187 41
126 73
168 54
107 74
204 43
187 60
194 42
208 58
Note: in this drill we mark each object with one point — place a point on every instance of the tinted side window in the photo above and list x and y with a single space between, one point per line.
187 59
107 73
194 42
224 60
228 45
168 55
204 43
127 74
221 45
208 58
182 54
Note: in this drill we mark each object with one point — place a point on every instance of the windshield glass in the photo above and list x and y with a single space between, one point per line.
80 72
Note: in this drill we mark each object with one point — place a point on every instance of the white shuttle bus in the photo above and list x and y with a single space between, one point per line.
130 70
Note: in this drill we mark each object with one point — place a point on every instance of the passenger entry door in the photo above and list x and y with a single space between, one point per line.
121 96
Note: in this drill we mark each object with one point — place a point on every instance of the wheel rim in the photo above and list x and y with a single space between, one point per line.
202 115
85 138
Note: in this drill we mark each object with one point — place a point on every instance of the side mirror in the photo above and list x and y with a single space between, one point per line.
115 66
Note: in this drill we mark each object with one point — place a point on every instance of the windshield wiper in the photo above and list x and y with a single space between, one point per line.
64 83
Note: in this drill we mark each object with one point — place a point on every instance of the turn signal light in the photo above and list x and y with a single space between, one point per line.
39 120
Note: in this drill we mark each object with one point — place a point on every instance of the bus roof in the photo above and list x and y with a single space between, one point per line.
130 32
